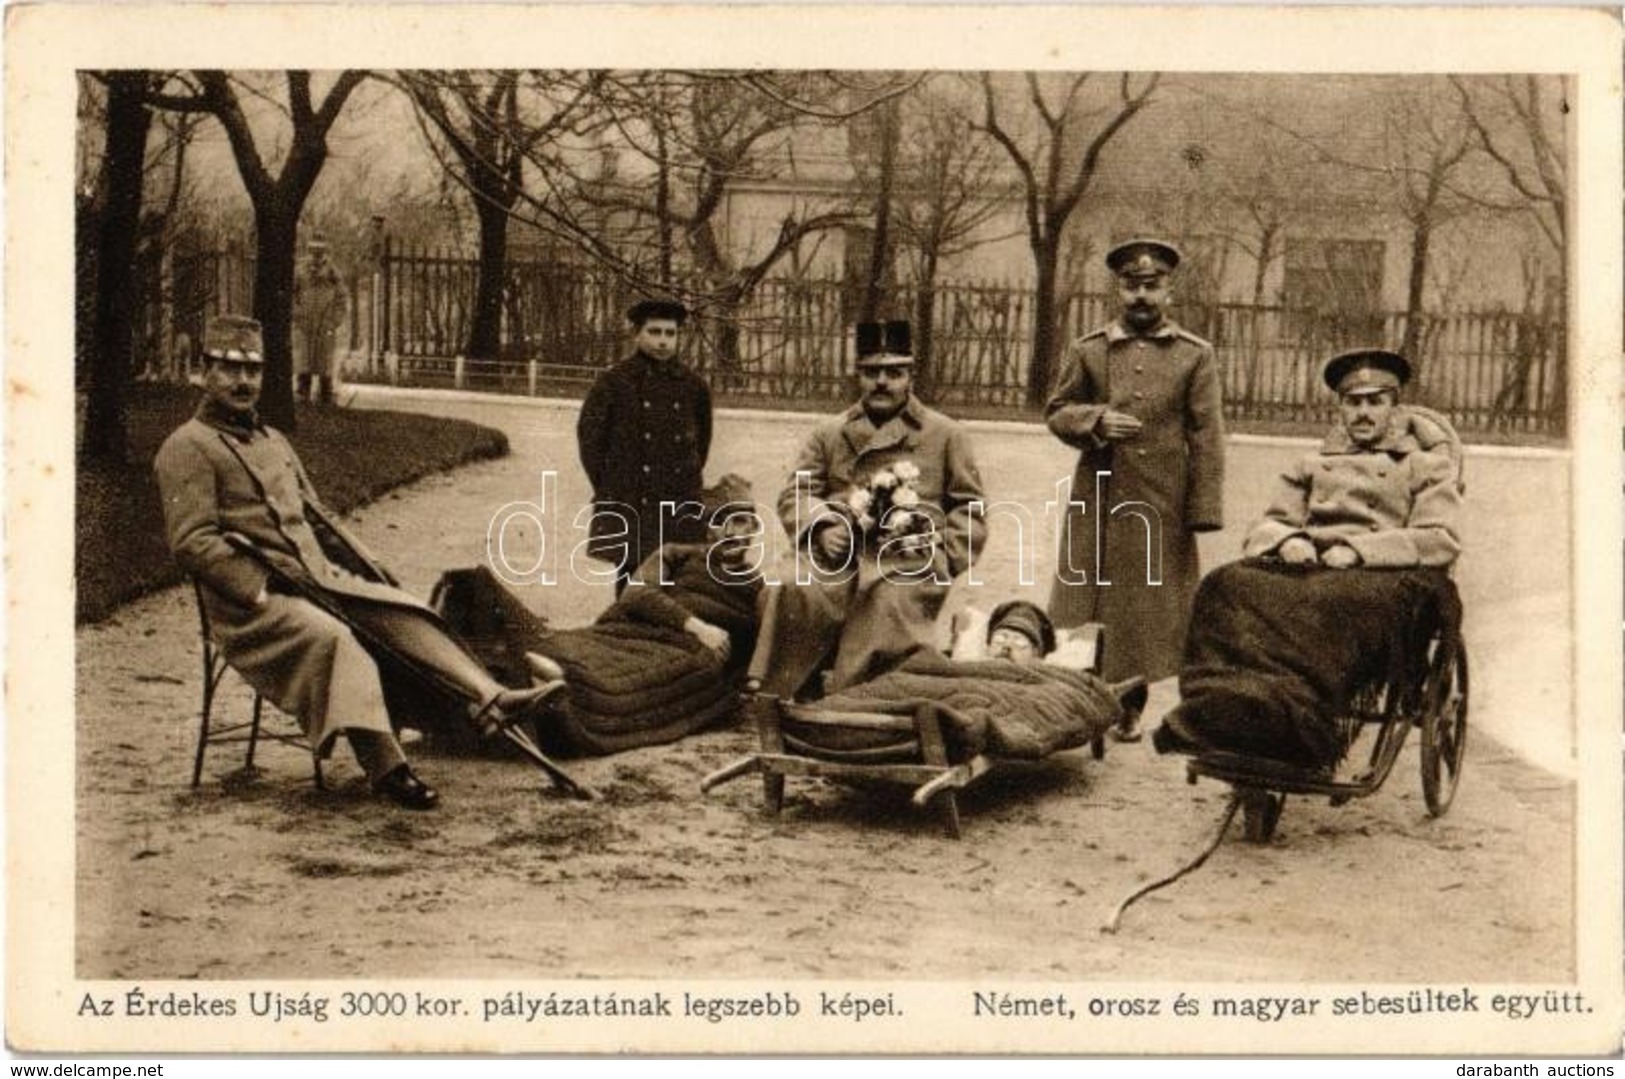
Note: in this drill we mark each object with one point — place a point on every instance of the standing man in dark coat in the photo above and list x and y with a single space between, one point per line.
644 434
1140 399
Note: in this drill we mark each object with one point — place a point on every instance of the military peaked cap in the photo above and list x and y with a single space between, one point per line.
1143 257
1026 619
1363 370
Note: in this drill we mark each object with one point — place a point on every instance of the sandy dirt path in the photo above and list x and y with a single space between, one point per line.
270 878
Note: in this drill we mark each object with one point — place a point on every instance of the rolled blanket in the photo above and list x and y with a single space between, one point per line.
1275 654
632 685
629 685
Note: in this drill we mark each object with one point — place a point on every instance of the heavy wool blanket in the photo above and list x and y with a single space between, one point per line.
630 685
1024 711
1276 653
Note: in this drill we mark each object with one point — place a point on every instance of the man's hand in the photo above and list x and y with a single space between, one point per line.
713 637
1341 556
1116 426
1298 551
834 542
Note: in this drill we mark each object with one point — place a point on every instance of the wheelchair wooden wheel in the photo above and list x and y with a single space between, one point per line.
1444 726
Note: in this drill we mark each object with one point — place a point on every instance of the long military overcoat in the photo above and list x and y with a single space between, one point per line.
644 434
1396 504
872 617
320 302
217 477
1128 556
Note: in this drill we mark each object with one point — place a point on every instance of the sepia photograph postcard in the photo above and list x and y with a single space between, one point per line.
813 529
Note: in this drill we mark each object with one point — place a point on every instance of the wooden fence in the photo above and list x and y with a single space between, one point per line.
1489 370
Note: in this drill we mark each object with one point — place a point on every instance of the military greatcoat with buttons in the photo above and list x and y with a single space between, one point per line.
218 474
1128 556
1394 503
644 434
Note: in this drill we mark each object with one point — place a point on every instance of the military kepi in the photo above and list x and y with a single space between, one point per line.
1143 257
1366 370
884 344
234 337
656 307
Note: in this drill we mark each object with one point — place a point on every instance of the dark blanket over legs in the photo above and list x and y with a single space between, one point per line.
1276 653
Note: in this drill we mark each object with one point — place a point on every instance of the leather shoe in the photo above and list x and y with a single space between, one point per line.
406 790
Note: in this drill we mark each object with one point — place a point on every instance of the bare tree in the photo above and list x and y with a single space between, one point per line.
1520 127
277 198
1056 142
490 124
702 134
117 230
953 187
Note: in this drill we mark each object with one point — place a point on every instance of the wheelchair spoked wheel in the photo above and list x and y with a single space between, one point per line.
1444 725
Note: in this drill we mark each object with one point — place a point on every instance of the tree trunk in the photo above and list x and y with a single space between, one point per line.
275 234
875 291
485 329
1421 239
117 233
925 304
1041 369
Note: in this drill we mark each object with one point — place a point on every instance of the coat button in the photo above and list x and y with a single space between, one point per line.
1139 367
645 468
647 436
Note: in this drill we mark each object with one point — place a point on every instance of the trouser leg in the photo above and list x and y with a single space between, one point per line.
309 664
378 754
418 640
301 386
324 388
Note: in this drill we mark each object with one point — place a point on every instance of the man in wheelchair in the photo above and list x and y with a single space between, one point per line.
1342 585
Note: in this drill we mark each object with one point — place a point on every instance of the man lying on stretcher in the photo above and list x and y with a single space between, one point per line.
1343 582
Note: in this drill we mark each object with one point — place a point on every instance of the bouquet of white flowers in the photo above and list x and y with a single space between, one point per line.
888 506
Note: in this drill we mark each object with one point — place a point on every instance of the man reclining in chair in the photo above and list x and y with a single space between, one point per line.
287 591
1343 581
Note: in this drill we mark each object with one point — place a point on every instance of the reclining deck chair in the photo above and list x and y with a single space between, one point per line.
249 732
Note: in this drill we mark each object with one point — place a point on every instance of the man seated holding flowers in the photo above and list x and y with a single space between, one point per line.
880 507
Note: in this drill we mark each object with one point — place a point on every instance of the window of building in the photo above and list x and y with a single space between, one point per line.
1333 288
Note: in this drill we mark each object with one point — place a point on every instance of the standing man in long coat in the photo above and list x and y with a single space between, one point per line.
285 587
1140 398
644 434
320 303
